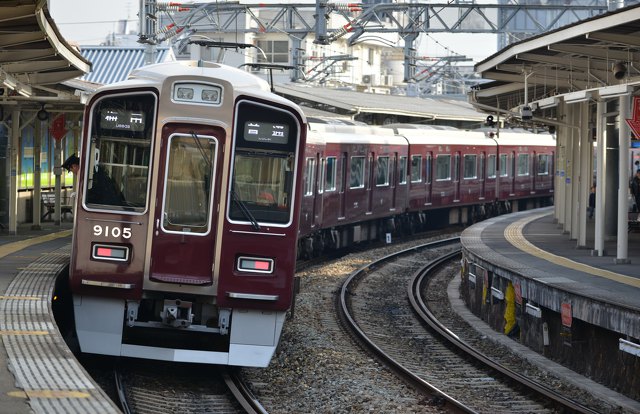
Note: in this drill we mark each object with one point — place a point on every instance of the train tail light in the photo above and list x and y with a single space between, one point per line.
255 264
110 252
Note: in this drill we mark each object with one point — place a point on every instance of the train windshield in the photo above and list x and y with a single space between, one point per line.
264 161
118 154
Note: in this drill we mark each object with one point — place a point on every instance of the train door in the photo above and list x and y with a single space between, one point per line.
512 173
343 185
456 177
318 199
370 183
428 179
482 174
184 239
392 179
534 172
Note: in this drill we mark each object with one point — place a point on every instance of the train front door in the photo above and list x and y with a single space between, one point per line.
184 235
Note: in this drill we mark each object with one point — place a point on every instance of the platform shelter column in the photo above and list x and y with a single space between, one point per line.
581 120
622 254
559 185
578 203
601 139
13 173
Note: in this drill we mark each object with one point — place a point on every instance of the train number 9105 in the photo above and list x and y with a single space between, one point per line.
115 232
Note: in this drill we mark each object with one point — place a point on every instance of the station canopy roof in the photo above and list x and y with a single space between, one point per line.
582 56
352 102
34 57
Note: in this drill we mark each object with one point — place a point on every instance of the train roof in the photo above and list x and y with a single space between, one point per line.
337 133
244 83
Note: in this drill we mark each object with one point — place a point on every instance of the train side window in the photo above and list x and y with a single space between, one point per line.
382 178
357 173
443 167
330 177
504 166
543 164
416 168
491 166
470 166
523 164
403 171
309 176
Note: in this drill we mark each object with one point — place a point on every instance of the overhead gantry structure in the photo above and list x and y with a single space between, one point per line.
164 21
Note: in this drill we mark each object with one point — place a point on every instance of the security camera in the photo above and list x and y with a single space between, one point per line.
619 70
526 113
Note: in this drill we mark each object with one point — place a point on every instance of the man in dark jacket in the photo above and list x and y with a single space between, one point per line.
635 190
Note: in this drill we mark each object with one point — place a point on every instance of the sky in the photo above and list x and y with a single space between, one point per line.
88 22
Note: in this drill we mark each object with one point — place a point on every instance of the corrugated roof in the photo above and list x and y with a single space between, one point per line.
114 63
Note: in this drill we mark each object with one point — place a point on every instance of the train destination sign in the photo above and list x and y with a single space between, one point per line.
122 119
266 132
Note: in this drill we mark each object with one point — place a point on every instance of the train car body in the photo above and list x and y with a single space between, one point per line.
364 183
187 212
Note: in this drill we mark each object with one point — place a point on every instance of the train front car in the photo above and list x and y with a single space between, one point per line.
186 220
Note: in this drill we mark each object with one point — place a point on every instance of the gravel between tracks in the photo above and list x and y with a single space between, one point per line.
318 368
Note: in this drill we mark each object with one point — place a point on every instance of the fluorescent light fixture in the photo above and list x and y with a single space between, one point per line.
548 102
630 347
615 91
25 91
9 82
576 97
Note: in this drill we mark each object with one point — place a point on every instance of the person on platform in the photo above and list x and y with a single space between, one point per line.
635 190
592 201
72 164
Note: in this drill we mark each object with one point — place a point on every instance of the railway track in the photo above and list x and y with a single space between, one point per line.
373 305
142 388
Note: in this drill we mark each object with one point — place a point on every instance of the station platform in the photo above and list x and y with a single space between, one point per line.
38 372
530 250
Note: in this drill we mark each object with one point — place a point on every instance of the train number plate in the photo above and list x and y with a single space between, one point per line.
112 231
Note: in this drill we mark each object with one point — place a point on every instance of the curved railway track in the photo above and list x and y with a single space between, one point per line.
387 326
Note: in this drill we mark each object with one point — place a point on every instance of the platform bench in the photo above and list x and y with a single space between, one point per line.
49 203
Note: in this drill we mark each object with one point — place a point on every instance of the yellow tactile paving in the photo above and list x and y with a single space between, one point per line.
48 394
513 234
7 249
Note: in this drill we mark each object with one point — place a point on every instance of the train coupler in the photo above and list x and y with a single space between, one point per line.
177 313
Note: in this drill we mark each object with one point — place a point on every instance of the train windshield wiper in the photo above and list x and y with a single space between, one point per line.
245 210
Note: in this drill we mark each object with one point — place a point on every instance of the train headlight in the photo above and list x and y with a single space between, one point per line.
255 264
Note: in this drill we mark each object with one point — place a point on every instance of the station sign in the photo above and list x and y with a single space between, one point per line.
634 122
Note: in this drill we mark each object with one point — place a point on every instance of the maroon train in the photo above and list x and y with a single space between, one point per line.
197 188
361 182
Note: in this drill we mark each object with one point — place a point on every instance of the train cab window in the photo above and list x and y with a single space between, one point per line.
543 164
309 176
416 168
330 174
403 171
263 165
504 165
118 154
443 167
523 164
188 185
382 177
491 166
470 167
357 173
